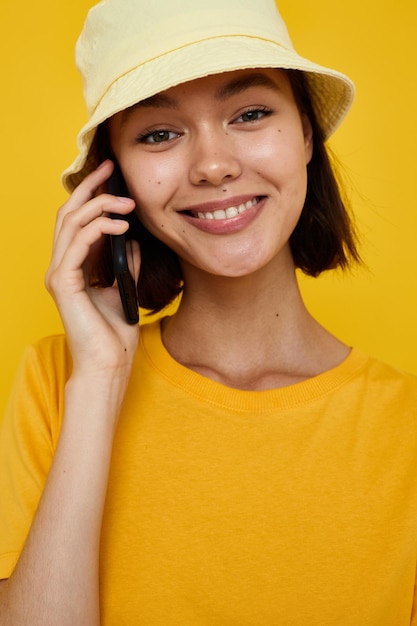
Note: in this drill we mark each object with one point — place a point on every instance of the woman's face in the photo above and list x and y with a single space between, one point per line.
217 167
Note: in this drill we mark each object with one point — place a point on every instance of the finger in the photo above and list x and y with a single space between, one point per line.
79 217
92 186
85 191
67 273
89 186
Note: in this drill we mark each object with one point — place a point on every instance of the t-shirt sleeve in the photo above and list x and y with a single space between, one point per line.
29 432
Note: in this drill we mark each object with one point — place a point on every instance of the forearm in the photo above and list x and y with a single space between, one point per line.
56 579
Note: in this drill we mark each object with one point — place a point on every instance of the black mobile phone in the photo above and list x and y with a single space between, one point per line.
125 281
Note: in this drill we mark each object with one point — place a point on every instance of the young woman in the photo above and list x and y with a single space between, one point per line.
233 463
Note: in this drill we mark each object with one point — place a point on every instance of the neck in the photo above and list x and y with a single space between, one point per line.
252 332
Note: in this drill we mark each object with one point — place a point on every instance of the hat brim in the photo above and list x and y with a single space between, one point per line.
332 92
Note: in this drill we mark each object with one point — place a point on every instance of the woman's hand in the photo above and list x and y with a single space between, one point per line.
56 578
100 339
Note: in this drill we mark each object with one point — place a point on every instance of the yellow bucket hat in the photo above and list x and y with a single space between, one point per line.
130 50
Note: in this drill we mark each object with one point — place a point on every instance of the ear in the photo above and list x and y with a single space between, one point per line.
308 137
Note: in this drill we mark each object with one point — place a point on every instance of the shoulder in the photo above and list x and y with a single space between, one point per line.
380 371
388 386
44 369
36 399
50 353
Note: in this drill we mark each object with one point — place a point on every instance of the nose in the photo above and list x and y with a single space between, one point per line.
213 160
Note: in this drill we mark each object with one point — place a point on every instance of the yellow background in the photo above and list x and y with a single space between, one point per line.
42 109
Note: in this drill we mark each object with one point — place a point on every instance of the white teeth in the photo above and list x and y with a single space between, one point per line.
230 212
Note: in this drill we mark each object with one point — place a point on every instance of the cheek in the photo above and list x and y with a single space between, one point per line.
151 184
283 146
281 160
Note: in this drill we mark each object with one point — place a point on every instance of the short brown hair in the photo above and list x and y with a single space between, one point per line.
324 237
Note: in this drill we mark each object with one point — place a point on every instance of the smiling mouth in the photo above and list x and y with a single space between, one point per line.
225 214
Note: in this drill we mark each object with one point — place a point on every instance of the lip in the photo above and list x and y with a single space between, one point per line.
227 225
224 203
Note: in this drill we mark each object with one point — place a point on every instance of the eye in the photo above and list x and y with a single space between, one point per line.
253 115
157 136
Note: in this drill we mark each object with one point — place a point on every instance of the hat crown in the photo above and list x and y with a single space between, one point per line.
121 35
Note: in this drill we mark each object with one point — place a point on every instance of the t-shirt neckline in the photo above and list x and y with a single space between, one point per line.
213 392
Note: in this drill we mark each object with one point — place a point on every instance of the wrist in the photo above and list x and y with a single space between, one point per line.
95 397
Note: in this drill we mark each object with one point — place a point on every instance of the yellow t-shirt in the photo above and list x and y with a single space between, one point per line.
292 507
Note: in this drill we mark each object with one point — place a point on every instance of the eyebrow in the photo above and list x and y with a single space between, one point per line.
158 101
236 86
231 88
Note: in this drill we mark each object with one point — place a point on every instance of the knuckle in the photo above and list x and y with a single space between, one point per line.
62 211
50 280
68 217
